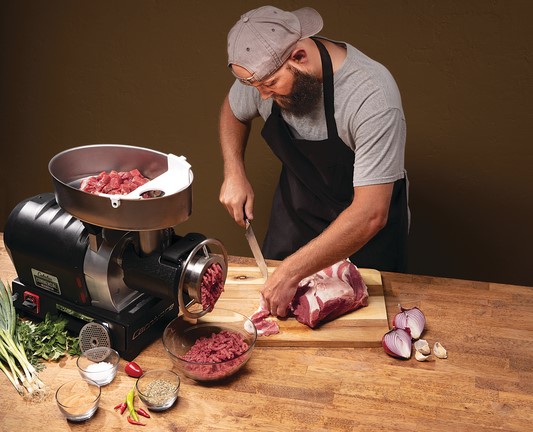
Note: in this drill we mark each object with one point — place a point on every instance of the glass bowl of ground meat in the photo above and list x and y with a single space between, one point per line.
212 347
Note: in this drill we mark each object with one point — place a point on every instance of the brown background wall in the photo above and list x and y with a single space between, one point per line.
153 74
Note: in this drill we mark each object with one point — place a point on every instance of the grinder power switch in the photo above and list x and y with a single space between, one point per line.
31 301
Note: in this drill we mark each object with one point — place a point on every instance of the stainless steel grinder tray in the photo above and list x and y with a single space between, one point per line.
70 167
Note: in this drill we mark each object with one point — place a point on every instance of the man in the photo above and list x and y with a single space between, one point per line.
334 118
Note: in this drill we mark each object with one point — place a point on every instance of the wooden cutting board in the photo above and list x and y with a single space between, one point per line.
362 328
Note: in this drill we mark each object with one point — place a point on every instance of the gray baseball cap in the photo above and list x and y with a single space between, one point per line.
263 38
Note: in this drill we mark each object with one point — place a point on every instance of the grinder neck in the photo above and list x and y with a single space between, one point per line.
187 272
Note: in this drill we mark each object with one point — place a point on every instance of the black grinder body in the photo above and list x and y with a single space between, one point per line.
48 247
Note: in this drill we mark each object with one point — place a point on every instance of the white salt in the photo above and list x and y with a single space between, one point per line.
100 372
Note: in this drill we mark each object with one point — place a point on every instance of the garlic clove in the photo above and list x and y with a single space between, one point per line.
422 346
421 357
439 351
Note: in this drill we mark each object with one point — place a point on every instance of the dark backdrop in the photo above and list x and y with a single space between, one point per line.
153 74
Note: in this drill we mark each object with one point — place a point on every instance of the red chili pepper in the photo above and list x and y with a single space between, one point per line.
130 420
133 369
142 412
122 407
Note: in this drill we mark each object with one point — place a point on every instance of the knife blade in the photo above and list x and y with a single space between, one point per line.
256 250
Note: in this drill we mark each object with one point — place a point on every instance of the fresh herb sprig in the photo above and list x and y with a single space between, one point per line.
47 340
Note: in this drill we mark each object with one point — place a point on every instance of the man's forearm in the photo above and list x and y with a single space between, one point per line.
236 192
352 229
233 138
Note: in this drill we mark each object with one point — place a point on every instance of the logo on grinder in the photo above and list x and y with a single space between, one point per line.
150 323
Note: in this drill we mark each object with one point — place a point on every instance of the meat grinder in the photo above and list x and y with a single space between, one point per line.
112 265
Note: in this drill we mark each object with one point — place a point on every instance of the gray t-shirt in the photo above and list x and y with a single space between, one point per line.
368 113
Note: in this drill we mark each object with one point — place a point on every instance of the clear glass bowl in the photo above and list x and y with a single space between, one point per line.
182 333
98 364
78 399
158 388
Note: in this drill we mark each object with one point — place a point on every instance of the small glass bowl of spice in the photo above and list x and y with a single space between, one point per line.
158 388
98 364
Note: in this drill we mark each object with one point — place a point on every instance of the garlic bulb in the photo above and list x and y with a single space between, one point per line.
439 351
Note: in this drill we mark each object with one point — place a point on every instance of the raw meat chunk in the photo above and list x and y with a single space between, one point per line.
114 182
264 326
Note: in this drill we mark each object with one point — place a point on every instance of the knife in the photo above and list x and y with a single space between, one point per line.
256 250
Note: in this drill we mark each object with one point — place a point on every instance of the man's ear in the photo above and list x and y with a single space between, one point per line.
299 56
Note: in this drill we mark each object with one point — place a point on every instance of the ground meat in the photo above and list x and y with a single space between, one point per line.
212 286
217 348
223 350
114 182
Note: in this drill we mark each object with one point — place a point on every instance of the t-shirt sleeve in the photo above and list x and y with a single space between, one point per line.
379 148
244 101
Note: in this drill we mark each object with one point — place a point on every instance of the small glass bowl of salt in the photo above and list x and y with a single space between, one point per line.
98 364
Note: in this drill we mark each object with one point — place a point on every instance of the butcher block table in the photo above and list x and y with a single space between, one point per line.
486 383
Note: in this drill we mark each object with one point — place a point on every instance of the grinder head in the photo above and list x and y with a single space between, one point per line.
202 278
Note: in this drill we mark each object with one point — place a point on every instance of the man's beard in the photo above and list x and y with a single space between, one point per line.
305 95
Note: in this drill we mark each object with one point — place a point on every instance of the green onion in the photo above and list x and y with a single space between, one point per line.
13 360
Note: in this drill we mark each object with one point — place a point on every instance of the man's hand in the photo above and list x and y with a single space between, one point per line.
237 195
279 290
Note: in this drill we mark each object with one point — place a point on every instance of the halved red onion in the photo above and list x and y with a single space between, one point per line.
397 343
412 319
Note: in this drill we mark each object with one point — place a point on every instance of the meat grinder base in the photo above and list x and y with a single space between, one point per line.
130 331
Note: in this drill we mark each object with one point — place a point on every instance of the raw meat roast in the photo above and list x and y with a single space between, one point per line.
319 298
328 294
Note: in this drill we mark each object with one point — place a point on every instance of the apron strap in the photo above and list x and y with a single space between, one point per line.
327 79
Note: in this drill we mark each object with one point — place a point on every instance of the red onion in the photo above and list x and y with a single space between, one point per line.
397 343
412 319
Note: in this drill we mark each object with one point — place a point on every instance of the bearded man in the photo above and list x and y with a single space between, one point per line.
334 118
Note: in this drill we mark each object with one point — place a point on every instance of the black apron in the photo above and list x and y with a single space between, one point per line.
316 185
